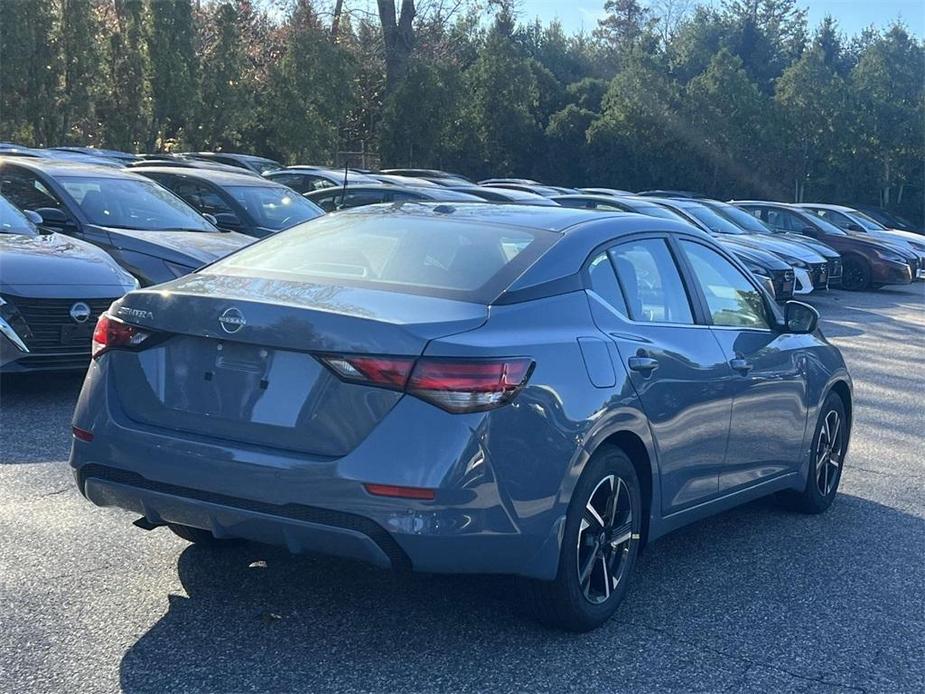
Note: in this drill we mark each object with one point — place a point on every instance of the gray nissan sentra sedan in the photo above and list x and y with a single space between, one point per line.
477 388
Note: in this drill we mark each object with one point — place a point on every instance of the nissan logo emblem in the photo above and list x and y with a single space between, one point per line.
232 320
80 312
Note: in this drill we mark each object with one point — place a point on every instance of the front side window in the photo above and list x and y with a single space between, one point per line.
651 282
12 221
124 203
732 299
274 207
26 191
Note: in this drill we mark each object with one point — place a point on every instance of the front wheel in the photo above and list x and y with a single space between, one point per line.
830 442
599 547
855 274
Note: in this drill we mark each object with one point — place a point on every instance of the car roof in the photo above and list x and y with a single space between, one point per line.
557 219
69 167
217 176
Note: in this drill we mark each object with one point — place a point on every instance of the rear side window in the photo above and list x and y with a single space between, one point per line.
651 282
604 283
395 252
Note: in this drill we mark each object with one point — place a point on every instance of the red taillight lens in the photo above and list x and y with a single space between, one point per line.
456 385
82 434
469 385
400 492
111 333
388 372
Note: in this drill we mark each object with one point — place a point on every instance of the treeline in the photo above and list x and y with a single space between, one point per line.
742 99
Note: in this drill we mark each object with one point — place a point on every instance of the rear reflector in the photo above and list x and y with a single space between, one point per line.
456 385
82 434
111 333
400 492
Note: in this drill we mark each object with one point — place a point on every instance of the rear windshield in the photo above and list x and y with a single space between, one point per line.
275 207
396 252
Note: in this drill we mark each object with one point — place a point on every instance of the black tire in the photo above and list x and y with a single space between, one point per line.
567 602
824 469
197 536
855 274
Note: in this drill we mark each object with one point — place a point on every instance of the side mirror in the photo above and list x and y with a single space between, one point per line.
53 217
808 231
800 318
227 220
210 218
851 226
33 216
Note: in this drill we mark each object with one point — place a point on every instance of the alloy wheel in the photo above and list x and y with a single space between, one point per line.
829 453
604 539
853 275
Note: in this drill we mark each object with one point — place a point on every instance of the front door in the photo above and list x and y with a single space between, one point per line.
769 396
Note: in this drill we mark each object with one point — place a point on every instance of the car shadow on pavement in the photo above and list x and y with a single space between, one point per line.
755 597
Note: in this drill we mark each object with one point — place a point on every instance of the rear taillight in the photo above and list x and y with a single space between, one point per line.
456 385
111 334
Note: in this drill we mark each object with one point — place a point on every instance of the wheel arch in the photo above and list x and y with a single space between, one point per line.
843 390
635 449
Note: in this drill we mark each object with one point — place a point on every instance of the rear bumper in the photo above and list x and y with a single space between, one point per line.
442 539
300 529
320 504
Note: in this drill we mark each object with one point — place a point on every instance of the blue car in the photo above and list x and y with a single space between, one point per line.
535 391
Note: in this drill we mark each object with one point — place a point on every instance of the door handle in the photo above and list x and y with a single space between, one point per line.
741 365
644 365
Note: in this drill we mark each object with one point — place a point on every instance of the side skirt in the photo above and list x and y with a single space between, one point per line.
663 525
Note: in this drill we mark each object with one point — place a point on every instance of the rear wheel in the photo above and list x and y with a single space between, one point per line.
855 274
599 547
197 536
830 442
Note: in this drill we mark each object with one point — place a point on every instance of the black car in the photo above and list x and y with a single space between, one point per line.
247 204
765 237
148 230
249 162
307 179
52 290
332 199
145 161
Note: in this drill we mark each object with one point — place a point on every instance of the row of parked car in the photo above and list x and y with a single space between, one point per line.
82 226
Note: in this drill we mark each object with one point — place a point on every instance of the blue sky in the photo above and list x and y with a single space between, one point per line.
852 15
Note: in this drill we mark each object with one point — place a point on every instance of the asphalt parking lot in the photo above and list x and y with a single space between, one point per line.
757 599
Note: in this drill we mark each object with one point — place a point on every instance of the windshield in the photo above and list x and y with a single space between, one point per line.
867 222
264 165
741 218
128 203
395 252
662 212
274 207
825 225
12 221
712 219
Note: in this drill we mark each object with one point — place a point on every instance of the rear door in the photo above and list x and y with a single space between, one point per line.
769 387
677 367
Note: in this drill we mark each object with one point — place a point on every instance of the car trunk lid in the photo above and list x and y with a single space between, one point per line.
235 358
